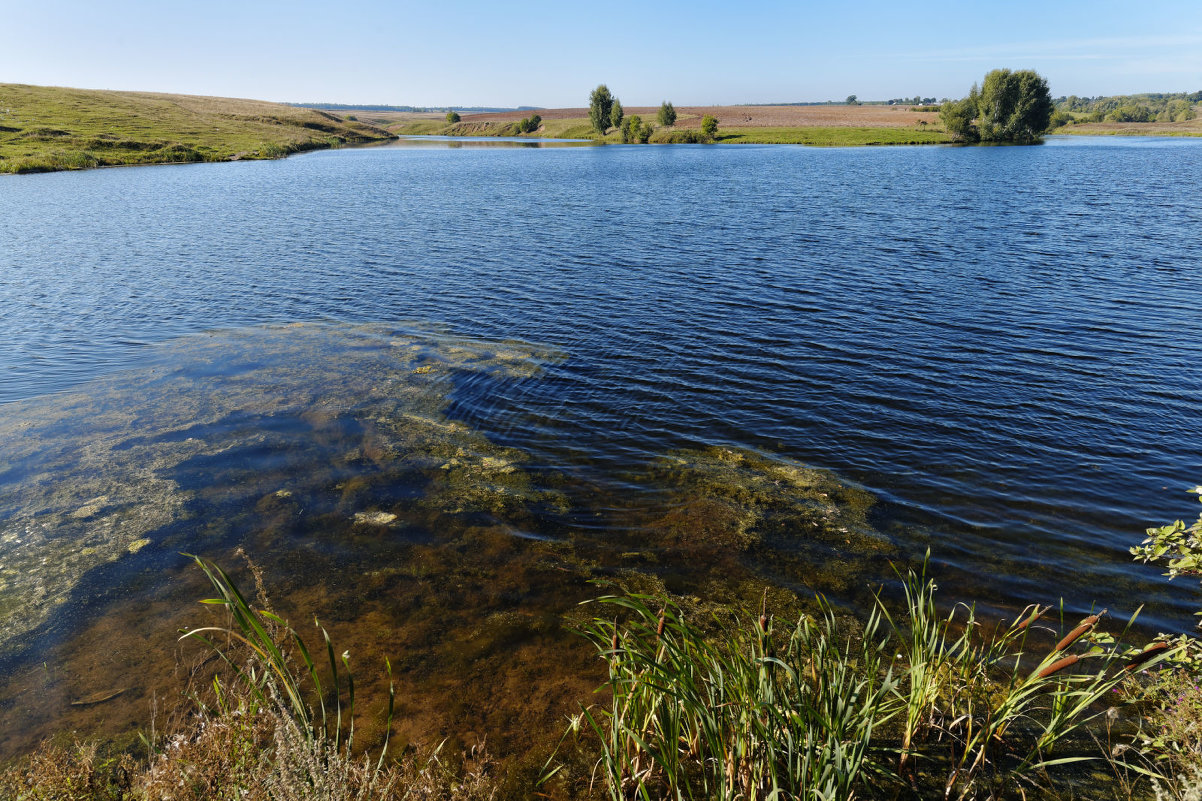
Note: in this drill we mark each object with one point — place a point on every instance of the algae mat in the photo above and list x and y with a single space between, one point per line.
91 477
329 454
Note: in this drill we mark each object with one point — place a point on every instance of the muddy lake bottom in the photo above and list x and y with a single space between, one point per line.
438 424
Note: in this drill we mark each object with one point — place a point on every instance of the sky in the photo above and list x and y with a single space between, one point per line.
551 54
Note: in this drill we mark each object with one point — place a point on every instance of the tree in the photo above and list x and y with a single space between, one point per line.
452 117
709 126
615 114
644 132
600 104
852 101
1014 106
667 114
630 130
958 117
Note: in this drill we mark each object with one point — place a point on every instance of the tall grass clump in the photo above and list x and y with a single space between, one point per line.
826 709
745 715
984 714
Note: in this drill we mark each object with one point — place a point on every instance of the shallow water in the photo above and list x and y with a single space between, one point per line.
628 362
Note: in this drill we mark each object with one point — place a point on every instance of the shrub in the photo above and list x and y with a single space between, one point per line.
529 124
678 136
452 117
709 126
631 129
1060 119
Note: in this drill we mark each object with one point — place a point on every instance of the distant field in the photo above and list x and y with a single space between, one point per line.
808 125
51 128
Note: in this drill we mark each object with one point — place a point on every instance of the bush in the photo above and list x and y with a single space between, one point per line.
709 126
529 124
452 117
1060 119
689 136
630 129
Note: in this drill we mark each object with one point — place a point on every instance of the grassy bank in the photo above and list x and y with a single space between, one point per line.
51 128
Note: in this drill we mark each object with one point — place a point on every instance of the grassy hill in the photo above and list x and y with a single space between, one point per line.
52 128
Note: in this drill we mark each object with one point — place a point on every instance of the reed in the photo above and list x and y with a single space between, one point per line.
824 711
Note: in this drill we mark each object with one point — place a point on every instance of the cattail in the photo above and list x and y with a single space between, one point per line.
1074 635
613 643
659 627
1146 654
764 613
1035 615
1059 665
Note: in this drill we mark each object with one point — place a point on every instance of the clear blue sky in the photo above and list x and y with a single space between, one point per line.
532 52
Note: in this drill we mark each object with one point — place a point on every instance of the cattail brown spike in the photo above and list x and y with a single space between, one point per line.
613 643
1035 615
764 613
1059 665
1146 654
1076 634
659 627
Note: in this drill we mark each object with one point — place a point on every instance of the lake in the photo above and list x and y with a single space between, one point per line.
436 389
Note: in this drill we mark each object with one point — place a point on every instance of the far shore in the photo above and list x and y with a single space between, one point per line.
826 125
44 129
829 125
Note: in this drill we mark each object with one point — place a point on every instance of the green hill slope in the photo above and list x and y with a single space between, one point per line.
51 128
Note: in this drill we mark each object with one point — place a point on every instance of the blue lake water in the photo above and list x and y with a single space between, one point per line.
1001 346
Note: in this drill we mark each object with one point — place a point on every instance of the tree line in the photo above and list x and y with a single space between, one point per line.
1147 107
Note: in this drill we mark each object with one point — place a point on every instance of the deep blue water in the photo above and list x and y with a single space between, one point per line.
1002 344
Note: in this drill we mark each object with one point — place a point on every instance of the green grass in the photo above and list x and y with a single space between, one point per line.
51 128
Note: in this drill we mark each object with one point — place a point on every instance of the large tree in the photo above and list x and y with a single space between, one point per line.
1014 106
600 104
